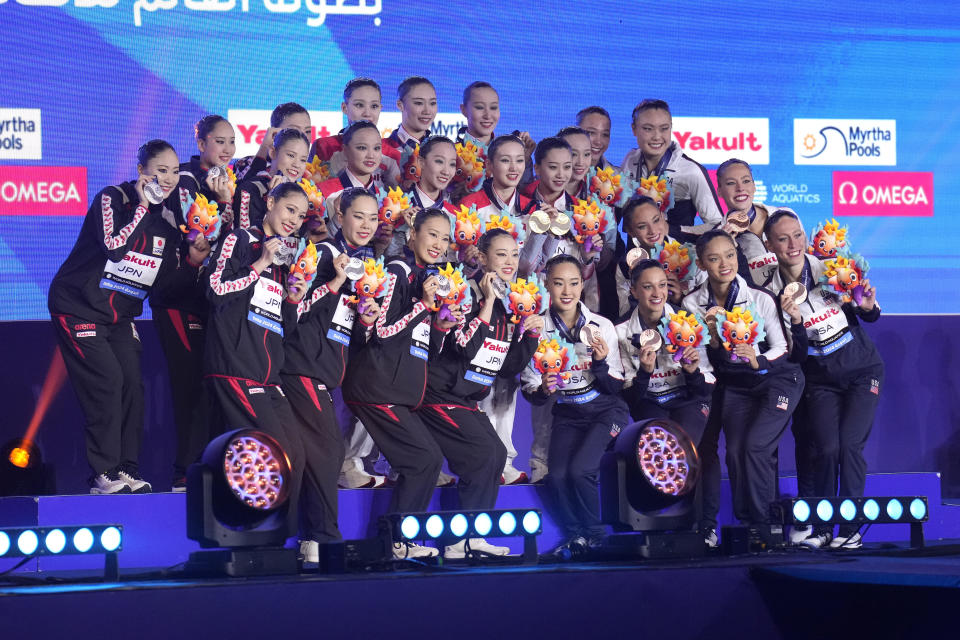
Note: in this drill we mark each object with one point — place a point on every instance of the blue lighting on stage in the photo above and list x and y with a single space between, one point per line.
410 527
83 540
508 524
531 522
871 509
459 525
28 542
824 510
434 526
918 508
848 510
801 510
483 524
55 541
895 509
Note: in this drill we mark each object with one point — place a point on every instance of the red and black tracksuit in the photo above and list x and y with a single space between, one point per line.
462 373
123 250
250 202
315 362
250 315
386 382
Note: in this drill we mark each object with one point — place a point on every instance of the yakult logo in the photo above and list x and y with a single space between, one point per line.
882 193
20 137
845 142
51 191
714 140
251 126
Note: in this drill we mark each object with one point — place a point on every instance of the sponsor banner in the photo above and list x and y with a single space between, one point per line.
883 193
20 137
445 124
251 125
845 142
43 191
715 140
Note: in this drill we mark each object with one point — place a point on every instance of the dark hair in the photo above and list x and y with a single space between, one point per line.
281 112
356 127
357 83
635 203
286 135
349 196
431 141
643 265
207 124
726 164
478 84
709 237
410 83
547 145
499 141
427 214
285 189
775 217
562 258
151 149
586 111
572 131
483 244
649 104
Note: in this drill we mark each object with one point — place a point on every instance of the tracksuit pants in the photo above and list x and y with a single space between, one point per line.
182 337
249 404
576 446
753 421
103 361
472 448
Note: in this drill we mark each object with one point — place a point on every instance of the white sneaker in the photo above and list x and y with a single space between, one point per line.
108 482
405 550
817 540
799 533
512 475
446 480
538 470
477 545
134 481
310 550
354 478
710 538
847 542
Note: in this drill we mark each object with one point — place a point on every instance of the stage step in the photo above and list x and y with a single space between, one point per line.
155 524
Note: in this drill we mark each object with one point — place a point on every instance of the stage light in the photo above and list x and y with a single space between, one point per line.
449 527
918 509
27 542
55 541
22 472
110 538
648 480
531 522
848 510
894 508
482 524
4 543
459 525
83 540
801 510
238 500
434 526
824 510
410 528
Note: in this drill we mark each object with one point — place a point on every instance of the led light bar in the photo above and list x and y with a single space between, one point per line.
24 542
912 510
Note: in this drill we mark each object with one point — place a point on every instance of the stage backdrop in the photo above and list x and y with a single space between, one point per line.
844 109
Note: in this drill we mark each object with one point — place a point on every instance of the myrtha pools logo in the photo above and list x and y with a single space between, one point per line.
845 142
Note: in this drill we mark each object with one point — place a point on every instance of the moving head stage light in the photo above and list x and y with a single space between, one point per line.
648 480
238 499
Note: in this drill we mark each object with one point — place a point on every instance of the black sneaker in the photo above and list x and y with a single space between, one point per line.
133 480
567 550
179 484
107 483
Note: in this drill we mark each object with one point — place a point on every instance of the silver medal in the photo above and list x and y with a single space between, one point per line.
216 171
354 269
444 286
153 191
499 286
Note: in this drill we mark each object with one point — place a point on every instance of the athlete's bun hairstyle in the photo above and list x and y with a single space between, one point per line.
286 189
649 104
586 111
483 244
499 141
356 127
287 135
428 214
633 204
643 265
571 131
206 125
357 83
726 164
282 111
776 217
151 149
547 145
432 141
410 83
709 237
349 196
478 84
562 258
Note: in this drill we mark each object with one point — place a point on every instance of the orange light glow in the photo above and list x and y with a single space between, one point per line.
20 458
